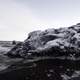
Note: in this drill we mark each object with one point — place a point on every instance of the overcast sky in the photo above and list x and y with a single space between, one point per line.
19 17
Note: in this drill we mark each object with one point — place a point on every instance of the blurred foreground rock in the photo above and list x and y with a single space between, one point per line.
51 42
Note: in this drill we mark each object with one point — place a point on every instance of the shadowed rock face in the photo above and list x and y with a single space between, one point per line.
53 54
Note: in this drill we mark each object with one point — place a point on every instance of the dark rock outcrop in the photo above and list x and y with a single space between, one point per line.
53 54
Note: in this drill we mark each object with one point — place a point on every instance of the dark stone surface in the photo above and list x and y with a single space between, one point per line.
41 69
36 70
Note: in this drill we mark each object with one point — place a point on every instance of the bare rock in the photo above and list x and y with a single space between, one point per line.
67 41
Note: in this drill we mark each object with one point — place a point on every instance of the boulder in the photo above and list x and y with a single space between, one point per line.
65 39
53 54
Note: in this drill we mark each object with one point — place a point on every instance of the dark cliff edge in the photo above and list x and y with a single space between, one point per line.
53 54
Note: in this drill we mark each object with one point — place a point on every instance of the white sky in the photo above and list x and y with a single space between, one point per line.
19 17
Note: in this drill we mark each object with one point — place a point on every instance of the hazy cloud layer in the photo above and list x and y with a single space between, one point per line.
19 17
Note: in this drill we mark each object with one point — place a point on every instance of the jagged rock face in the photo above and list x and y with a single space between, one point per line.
65 40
